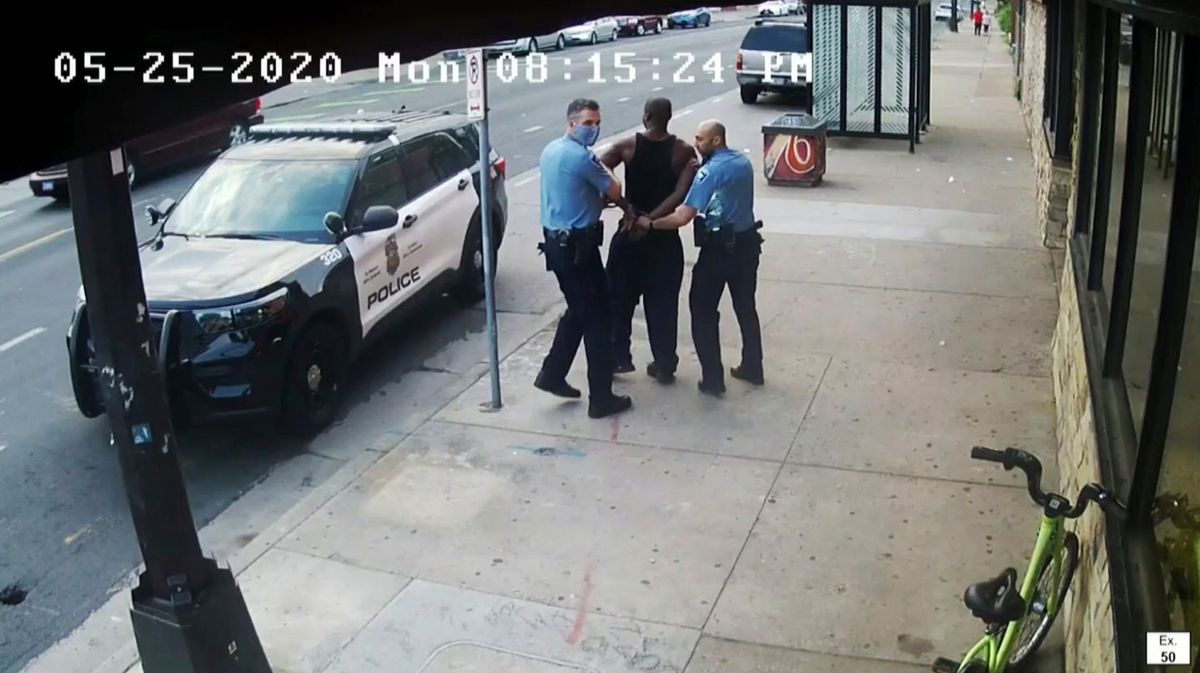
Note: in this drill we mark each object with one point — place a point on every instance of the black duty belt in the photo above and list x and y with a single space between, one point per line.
581 239
728 237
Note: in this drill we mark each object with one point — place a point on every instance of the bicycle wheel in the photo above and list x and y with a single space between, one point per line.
1038 618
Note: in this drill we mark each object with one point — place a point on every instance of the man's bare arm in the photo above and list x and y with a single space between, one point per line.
617 153
678 218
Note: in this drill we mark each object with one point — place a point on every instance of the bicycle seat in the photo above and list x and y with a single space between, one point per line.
996 600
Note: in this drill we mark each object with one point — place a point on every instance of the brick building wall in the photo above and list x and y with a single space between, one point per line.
1087 615
1053 178
1087 618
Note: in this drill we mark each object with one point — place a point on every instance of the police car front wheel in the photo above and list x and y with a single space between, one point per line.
314 381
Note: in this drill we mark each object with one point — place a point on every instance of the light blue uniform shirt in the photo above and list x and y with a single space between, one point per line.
723 191
573 181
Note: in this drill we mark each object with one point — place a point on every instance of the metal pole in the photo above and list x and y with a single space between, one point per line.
489 265
188 615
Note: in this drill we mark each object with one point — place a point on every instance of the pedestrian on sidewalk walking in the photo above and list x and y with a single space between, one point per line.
730 247
659 168
574 185
978 18
987 21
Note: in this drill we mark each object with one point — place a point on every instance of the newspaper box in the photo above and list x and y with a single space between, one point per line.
794 150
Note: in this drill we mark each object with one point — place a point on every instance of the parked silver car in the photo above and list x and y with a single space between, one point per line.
527 45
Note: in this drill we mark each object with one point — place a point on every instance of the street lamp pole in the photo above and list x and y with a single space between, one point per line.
188 615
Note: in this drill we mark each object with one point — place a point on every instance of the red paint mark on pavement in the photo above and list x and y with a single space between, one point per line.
616 429
581 615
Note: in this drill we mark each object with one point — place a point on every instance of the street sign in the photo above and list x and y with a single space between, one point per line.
476 85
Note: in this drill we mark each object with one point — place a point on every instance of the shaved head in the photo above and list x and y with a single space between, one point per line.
710 137
712 127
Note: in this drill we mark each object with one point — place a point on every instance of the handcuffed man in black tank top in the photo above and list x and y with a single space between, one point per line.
659 169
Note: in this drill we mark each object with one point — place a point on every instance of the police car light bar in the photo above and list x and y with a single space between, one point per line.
352 130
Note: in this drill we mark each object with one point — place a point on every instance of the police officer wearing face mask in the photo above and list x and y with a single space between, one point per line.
574 185
727 235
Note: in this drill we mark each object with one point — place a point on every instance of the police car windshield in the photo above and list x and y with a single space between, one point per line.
264 199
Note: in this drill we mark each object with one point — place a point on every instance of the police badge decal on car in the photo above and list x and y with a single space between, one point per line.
393 254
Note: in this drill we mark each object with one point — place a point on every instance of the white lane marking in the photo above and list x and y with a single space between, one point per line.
344 103
684 112
74 537
531 129
157 197
622 99
289 118
717 99
454 104
657 88
33 244
6 213
410 89
533 176
21 339
3 447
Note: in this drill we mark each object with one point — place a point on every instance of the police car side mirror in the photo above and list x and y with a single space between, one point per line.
378 218
161 211
336 225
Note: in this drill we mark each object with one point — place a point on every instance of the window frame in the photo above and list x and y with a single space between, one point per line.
1130 462
1058 99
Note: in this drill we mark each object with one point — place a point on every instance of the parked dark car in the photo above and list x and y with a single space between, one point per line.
639 25
202 136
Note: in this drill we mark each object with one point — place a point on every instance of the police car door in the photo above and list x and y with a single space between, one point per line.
443 199
383 277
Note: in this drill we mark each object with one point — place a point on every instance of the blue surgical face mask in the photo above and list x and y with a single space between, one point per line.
586 134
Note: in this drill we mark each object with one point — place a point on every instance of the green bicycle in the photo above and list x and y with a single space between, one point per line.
1017 619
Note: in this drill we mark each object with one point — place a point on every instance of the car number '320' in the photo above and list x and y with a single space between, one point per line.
331 256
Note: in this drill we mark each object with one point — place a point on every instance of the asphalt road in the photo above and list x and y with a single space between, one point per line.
65 535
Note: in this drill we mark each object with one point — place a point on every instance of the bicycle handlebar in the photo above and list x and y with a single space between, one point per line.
1032 468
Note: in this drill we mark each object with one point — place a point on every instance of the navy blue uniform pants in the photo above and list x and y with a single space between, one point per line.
717 267
649 269
582 281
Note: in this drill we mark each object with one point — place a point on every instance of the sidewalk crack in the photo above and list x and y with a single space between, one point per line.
758 517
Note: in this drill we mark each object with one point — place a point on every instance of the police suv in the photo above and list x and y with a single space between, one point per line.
295 250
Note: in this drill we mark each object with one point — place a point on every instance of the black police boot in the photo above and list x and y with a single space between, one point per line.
623 367
662 377
716 390
743 374
609 406
561 389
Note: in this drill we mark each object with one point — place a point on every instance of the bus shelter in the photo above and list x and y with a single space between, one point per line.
870 72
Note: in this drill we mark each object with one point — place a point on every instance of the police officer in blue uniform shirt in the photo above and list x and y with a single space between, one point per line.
574 185
722 195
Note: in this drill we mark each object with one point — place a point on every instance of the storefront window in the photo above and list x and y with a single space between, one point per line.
1158 181
1178 507
1125 53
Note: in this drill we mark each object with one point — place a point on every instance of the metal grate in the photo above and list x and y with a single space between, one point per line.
895 76
827 65
860 69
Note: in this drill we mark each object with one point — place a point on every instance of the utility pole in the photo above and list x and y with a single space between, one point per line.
188 615
477 111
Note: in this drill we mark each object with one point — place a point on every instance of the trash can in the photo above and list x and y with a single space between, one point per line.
794 150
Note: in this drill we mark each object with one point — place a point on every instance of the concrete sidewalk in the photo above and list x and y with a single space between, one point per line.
826 522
